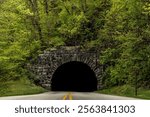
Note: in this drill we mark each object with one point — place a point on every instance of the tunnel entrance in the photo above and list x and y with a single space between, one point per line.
74 76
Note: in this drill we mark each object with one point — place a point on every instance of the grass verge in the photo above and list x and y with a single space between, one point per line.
127 91
19 87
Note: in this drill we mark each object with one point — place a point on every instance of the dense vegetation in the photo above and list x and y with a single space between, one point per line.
118 29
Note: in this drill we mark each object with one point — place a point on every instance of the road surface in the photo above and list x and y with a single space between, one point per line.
67 96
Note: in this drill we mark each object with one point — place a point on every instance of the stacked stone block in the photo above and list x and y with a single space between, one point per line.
47 62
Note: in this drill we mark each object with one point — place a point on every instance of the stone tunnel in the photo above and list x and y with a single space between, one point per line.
74 76
67 69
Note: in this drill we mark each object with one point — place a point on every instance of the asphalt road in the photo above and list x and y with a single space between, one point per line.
67 96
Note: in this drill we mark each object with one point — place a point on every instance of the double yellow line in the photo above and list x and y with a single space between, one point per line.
68 96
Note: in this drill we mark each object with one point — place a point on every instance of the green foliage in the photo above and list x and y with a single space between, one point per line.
118 29
127 90
19 87
81 20
130 56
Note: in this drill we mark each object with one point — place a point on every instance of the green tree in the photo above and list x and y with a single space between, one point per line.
128 53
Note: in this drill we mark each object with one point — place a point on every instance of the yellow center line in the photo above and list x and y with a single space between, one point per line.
69 96
65 97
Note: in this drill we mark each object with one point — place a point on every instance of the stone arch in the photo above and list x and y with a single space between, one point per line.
47 63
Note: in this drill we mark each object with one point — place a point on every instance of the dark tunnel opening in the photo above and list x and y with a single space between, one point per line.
74 76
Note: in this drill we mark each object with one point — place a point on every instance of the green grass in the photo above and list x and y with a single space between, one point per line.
20 87
127 91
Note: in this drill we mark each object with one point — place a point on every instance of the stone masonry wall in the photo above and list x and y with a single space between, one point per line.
47 62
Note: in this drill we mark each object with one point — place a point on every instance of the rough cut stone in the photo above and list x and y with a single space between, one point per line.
46 64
